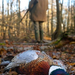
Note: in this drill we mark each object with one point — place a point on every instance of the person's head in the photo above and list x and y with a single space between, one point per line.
56 70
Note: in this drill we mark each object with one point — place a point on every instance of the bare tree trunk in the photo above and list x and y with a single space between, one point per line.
8 20
71 18
64 26
26 22
58 29
52 19
48 23
74 17
29 23
10 24
68 15
62 13
19 16
0 23
3 20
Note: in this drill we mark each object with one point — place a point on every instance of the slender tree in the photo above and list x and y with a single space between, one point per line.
58 28
62 13
19 17
10 26
74 16
11 10
8 19
26 22
3 19
71 15
68 14
52 17
48 23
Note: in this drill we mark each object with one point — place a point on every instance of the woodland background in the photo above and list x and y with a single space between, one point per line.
15 26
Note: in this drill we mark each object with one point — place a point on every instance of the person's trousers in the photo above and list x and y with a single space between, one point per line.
38 30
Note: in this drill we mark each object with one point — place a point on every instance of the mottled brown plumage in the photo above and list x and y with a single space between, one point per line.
35 68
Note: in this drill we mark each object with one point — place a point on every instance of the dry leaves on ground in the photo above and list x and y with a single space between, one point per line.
65 53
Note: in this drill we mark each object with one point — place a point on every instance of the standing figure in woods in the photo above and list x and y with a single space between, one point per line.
38 9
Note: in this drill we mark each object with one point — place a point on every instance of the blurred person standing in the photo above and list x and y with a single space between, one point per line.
37 10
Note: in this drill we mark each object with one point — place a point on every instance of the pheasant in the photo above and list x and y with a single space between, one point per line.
34 62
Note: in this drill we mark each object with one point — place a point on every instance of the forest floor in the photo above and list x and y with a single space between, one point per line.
64 50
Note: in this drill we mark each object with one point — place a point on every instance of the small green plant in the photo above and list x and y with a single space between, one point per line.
2 43
56 42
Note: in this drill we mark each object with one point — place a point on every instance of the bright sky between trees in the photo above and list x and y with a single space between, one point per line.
24 3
